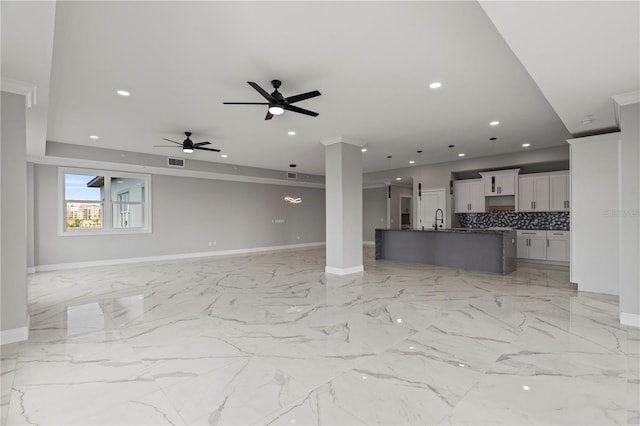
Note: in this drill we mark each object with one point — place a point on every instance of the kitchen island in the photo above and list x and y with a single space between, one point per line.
484 250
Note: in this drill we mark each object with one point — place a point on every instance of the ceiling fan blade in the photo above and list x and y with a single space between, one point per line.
300 110
164 146
201 144
260 90
269 116
245 103
206 149
169 140
303 96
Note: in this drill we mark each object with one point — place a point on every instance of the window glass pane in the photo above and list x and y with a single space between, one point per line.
84 215
83 187
134 187
126 215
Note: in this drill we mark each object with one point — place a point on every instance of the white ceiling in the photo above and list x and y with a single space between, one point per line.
372 61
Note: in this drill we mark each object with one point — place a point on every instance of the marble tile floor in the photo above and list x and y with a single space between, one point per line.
271 339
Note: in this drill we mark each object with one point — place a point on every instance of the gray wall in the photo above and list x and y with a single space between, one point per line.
374 212
13 208
188 213
630 209
61 150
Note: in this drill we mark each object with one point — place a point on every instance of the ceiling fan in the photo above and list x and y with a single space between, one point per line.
278 103
187 145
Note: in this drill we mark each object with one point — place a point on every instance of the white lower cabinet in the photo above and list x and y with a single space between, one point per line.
543 245
532 245
558 246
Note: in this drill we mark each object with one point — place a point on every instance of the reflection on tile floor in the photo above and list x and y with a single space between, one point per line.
272 339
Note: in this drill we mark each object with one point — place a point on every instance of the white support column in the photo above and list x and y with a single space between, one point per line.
343 174
628 113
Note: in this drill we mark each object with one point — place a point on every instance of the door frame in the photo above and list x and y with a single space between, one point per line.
410 210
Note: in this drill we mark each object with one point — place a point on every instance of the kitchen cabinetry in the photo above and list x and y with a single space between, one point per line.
532 245
502 182
559 192
558 246
543 245
533 193
469 196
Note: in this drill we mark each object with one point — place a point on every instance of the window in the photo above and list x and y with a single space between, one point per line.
104 202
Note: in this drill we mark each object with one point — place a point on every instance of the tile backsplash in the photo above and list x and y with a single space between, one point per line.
558 221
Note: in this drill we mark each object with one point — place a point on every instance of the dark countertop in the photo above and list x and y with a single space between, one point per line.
454 230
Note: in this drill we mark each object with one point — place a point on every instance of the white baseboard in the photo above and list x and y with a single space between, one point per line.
180 256
14 335
369 243
31 270
343 271
630 319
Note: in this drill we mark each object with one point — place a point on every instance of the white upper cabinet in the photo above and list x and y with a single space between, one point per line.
559 192
469 196
533 193
502 182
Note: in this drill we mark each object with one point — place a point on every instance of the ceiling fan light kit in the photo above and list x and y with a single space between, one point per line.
277 103
188 146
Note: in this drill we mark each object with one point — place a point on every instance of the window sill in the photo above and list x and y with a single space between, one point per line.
87 233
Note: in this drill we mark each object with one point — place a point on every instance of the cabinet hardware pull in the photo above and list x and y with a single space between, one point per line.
532 204
547 243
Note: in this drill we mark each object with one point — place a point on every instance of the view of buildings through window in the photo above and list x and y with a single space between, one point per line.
85 198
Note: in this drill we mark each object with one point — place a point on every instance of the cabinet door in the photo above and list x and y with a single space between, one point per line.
525 193
541 193
461 197
490 185
558 246
558 250
537 248
476 196
522 247
506 184
559 192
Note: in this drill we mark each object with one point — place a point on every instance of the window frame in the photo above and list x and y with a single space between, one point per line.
108 204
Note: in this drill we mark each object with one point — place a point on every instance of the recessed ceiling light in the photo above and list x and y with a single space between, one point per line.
461 154
412 162
494 123
223 155
525 387
526 145
435 85
291 133
398 178
94 137
364 150
123 93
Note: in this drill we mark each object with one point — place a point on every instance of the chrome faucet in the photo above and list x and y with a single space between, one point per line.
435 224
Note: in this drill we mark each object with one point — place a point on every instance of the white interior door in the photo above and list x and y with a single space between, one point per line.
431 200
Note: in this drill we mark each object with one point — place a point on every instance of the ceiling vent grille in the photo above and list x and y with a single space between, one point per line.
175 162
291 175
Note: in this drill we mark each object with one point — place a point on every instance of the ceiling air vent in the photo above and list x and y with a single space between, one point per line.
291 175
175 162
